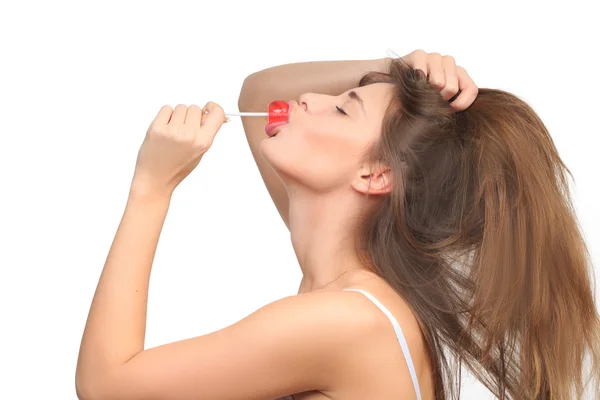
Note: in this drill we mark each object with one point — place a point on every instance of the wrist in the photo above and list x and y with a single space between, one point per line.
383 64
147 192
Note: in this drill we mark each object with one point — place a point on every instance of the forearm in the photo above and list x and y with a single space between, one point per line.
289 81
116 324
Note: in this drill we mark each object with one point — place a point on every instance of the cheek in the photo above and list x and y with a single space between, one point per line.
318 142
323 157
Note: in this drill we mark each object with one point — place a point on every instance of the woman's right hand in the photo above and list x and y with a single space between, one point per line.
442 73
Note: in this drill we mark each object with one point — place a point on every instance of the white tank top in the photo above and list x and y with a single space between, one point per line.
401 338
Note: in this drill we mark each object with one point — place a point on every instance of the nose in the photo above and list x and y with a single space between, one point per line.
315 103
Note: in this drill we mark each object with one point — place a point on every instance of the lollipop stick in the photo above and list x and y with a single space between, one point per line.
247 114
243 114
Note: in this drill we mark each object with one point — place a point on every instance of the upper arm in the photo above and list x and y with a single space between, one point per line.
254 98
283 348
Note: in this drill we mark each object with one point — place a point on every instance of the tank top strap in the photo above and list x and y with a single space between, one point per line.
400 336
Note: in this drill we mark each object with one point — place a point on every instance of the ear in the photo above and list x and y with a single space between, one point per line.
373 179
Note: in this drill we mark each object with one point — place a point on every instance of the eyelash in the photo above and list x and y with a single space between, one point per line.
340 110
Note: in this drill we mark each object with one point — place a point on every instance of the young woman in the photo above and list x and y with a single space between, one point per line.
430 225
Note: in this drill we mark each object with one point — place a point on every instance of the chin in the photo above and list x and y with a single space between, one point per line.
273 153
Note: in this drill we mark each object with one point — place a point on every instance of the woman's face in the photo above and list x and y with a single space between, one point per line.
322 144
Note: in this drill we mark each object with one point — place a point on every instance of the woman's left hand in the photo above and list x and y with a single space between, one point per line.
174 145
443 74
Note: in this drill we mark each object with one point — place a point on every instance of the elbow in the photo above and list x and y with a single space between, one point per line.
81 386
257 91
90 388
248 93
85 391
93 393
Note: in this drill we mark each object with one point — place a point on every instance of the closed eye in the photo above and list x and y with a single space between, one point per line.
341 110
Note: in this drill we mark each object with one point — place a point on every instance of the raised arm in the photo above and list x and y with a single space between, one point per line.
287 82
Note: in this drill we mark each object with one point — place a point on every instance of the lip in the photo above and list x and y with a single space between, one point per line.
291 105
273 129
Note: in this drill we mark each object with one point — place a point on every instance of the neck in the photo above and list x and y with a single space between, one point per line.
323 231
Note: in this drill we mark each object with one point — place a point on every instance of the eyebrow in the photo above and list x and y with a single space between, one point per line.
354 96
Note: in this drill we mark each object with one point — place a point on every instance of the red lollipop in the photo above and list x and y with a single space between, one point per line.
278 111
277 115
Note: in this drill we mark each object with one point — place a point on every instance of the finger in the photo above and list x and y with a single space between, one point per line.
417 60
213 117
212 105
178 117
468 90
437 77
163 116
193 116
451 86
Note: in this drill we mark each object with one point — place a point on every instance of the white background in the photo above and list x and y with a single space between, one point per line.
81 81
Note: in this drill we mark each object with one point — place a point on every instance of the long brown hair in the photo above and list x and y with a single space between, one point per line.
479 236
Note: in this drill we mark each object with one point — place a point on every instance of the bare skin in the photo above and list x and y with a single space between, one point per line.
321 233
323 343
317 227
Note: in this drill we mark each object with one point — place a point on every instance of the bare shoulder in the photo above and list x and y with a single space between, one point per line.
335 309
292 345
399 309
383 344
326 322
